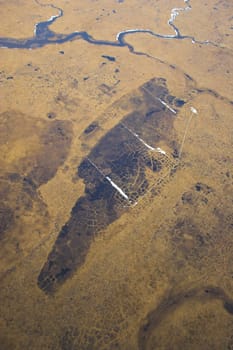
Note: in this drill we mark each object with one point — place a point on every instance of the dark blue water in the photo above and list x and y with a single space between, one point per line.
43 36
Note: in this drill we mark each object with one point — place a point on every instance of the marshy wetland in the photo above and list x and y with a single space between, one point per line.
116 176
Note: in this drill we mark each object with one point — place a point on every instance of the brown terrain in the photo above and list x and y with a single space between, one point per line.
116 178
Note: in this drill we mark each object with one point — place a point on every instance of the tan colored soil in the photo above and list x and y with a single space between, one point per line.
144 281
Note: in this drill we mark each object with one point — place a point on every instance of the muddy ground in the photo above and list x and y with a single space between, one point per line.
116 178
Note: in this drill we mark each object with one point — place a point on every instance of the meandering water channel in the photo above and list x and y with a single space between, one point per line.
43 35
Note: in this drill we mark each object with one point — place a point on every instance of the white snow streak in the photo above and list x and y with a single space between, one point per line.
165 104
139 138
117 188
